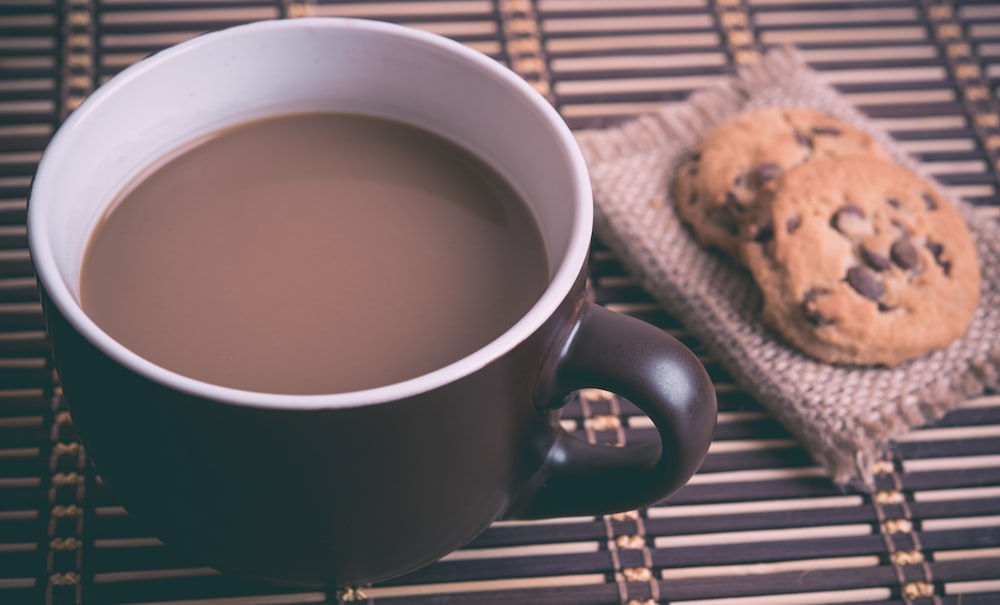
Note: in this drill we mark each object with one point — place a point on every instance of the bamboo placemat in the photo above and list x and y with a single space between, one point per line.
758 525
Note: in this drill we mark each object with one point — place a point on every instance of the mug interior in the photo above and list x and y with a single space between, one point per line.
304 65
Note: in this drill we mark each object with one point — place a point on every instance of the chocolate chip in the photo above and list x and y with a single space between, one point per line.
829 130
864 282
738 180
850 220
803 140
696 156
693 199
733 202
812 313
893 202
693 170
768 171
764 234
884 308
875 260
723 217
929 201
938 251
793 223
899 225
904 254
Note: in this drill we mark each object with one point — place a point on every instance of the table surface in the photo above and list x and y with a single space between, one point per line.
759 524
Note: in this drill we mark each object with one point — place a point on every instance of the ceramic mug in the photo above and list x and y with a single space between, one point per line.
346 488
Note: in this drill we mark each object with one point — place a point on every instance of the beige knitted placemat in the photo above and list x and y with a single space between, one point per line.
845 416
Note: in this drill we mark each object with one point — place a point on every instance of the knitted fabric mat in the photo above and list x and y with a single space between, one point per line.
844 415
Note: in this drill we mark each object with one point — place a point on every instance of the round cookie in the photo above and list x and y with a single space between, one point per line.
721 179
860 261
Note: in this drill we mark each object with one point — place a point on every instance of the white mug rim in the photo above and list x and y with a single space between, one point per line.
560 285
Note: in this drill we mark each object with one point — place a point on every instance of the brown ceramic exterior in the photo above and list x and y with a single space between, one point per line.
332 497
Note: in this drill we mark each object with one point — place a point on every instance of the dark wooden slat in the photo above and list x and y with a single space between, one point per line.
46 70
19 317
766 428
25 169
663 96
630 52
591 594
947 509
111 592
811 487
989 598
22 289
971 416
36 374
819 580
950 156
15 403
785 519
989 200
952 447
499 568
613 74
19 564
916 110
27 466
966 570
960 539
608 9
135 558
933 134
651 31
14 237
31 344
881 63
769 551
15 263
21 498
41 94
789 5
12 143
27 117
30 595
20 530
951 478
26 30
737 401
183 5
790 457
25 435
965 179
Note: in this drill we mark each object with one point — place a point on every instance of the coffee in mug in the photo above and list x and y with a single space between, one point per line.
313 253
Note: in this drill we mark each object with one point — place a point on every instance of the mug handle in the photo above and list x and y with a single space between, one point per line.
615 352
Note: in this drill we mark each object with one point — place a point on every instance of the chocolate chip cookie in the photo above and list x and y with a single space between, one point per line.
723 176
860 261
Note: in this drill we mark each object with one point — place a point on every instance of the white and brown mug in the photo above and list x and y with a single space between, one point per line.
351 487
